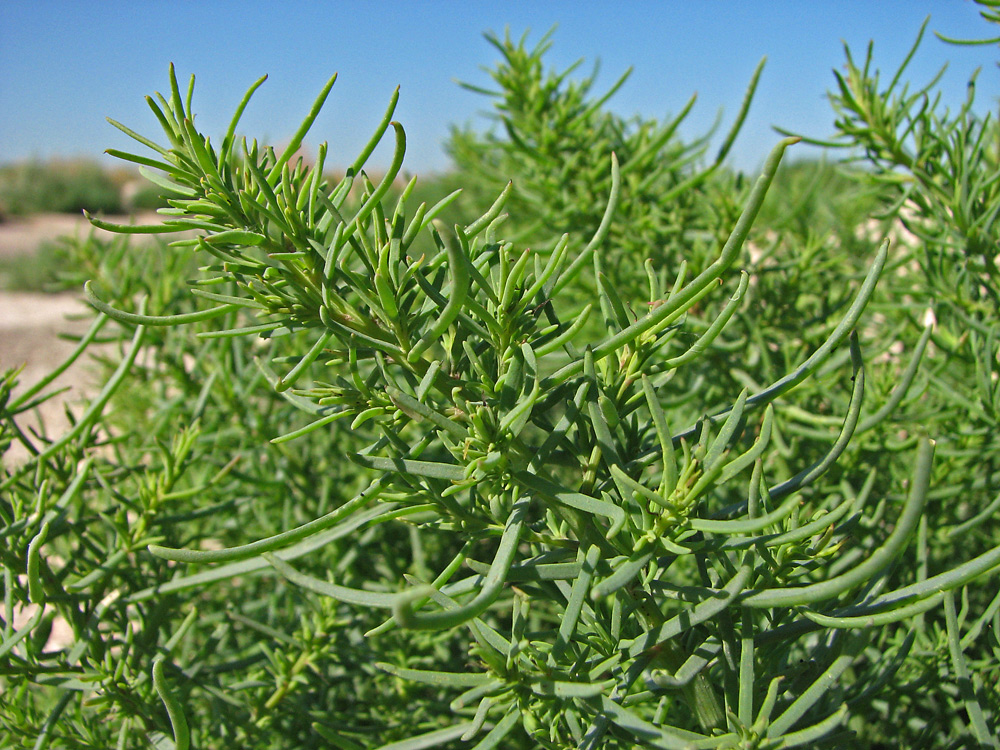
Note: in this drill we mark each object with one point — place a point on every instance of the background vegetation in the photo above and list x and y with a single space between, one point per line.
72 186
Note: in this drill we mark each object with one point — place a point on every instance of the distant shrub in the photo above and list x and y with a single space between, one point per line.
57 186
40 271
145 198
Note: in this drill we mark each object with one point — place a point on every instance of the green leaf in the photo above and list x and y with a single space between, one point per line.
694 615
152 320
296 140
665 737
441 679
883 556
435 738
432 469
701 283
240 237
344 594
458 264
574 500
492 585
175 711
502 728
257 563
136 228
418 409
272 543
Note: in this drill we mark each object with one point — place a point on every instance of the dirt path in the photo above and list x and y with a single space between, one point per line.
22 236
31 324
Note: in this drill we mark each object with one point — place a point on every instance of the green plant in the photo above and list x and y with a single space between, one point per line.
555 138
37 272
938 172
562 522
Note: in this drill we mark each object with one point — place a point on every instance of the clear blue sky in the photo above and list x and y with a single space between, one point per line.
64 65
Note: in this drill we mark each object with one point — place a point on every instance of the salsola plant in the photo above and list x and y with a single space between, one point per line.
593 553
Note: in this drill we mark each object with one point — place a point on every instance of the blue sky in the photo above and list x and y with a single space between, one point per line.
65 66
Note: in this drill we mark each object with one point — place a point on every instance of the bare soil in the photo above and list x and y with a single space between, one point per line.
32 325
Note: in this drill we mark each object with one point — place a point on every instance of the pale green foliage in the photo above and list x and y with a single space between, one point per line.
413 485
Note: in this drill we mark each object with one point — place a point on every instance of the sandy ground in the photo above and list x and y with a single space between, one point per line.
31 324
